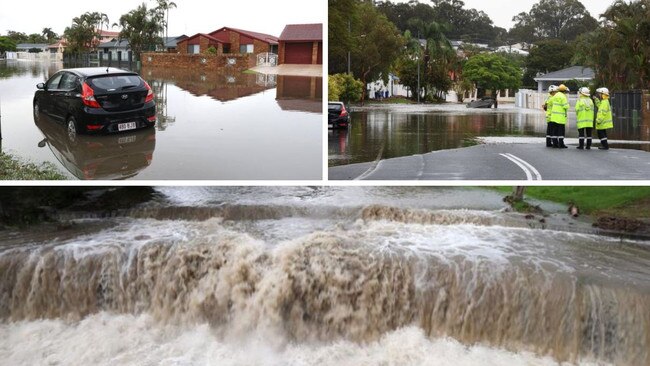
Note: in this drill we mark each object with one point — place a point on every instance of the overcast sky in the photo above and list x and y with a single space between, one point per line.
190 17
502 11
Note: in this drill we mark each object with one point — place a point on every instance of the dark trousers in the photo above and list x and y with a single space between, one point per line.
557 134
584 134
549 134
602 135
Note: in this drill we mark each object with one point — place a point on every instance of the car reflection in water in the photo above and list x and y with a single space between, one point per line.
118 156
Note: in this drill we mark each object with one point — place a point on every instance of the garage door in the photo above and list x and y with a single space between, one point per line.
298 53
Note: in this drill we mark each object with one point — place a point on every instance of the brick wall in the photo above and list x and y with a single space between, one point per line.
199 62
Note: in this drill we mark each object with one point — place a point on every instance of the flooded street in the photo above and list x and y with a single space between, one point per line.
210 126
334 276
410 129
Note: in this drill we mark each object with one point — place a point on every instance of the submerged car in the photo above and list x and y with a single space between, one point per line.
97 99
337 115
485 102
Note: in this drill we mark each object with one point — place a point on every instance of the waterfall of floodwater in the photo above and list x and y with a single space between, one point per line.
304 273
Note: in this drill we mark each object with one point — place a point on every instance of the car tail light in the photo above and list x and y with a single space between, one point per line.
94 127
149 97
88 96
151 119
343 112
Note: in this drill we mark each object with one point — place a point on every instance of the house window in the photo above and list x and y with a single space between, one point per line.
226 48
193 49
246 48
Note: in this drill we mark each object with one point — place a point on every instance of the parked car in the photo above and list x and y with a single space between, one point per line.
337 115
485 102
96 100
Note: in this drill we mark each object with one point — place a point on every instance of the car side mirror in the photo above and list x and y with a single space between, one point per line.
42 143
40 86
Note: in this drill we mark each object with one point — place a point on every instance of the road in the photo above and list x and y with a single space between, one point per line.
505 161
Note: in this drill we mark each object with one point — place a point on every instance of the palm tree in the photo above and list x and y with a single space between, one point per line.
164 6
49 34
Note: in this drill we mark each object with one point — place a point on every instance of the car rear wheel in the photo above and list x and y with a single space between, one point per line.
71 126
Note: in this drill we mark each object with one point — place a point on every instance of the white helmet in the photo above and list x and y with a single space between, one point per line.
603 91
585 91
552 88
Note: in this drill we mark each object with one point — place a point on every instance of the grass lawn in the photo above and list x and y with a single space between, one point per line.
631 202
13 169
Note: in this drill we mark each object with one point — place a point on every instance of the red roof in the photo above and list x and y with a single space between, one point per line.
105 33
259 36
202 35
302 32
59 43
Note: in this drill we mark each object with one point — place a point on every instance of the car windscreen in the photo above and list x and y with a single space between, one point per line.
334 107
110 83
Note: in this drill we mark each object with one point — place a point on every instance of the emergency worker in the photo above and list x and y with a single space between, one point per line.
559 111
603 117
584 117
551 92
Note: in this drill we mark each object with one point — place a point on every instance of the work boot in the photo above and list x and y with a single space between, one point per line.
581 144
562 145
588 144
604 145
549 142
555 143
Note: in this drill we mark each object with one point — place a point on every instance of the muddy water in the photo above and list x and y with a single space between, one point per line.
304 276
210 126
408 131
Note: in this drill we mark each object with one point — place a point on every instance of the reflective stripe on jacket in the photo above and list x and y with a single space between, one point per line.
604 116
560 106
584 112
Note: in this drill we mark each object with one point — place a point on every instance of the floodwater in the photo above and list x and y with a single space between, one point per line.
410 130
210 126
321 276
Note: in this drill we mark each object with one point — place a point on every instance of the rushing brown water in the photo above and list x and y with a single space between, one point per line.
308 271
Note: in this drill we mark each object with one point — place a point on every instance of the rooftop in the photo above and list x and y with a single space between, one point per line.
259 36
302 32
31 45
573 72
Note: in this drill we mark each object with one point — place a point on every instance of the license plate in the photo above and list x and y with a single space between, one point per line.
126 126
126 139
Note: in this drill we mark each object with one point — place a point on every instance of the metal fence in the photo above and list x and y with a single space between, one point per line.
267 59
627 104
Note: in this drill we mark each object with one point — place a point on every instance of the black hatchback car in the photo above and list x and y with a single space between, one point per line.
97 100
337 115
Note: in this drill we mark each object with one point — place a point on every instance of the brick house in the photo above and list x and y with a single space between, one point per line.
301 44
229 41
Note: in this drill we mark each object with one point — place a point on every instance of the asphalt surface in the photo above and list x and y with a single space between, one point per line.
508 161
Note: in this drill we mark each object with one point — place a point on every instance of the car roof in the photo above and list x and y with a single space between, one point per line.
98 71
336 103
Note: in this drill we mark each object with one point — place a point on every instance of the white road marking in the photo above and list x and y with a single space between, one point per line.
525 166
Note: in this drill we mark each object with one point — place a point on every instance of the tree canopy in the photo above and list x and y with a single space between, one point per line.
142 27
559 19
492 71
619 50
84 33
547 56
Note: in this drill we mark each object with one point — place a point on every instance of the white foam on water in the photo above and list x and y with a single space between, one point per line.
107 339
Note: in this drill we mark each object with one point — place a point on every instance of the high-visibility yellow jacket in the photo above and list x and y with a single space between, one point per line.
604 116
548 108
559 108
585 112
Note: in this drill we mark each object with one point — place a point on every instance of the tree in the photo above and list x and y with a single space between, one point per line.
164 6
17 37
545 57
345 87
343 18
85 32
36 38
560 19
49 35
376 46
492 71
141 27
619 50
7 44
